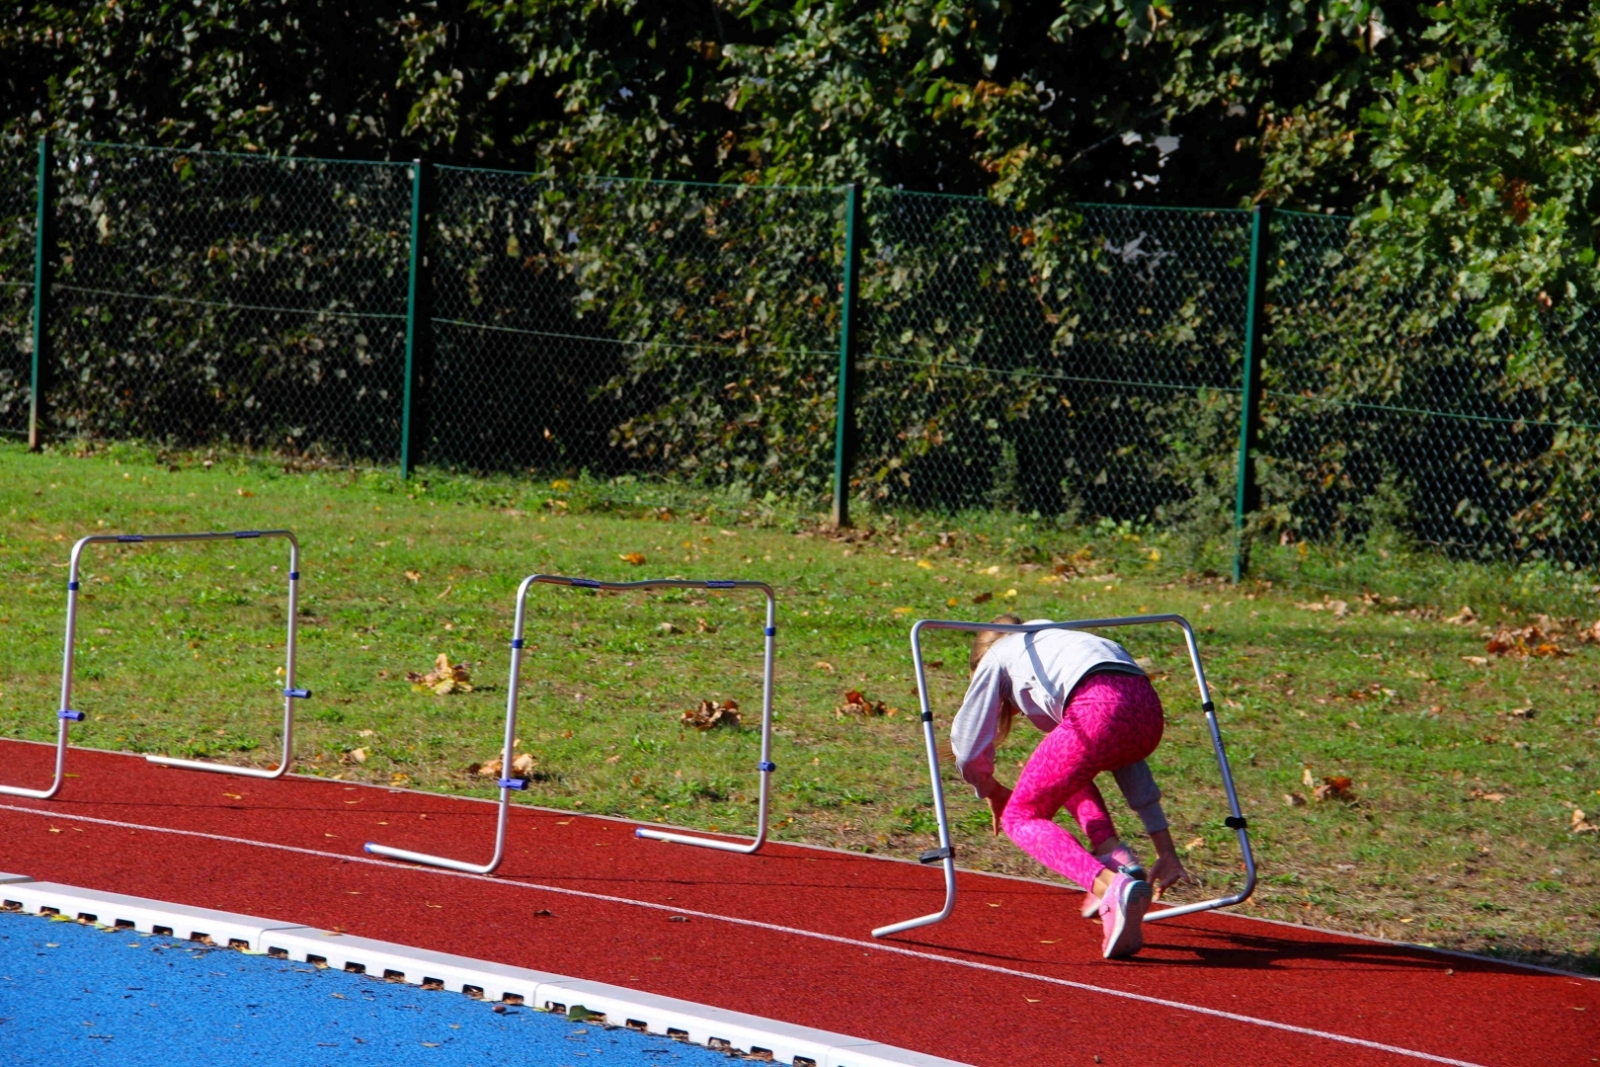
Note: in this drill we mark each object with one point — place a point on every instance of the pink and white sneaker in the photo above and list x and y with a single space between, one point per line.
1120 857
1122 912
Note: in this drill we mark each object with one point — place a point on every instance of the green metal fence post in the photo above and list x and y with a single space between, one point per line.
844 436
43 240
1247 496
419 326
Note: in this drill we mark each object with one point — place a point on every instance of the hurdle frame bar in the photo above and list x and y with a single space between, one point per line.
506 783
945 853
66 714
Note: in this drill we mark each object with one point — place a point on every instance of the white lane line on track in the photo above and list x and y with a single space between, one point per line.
878 946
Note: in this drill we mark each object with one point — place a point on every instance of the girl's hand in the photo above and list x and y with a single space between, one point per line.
1166 872
997 806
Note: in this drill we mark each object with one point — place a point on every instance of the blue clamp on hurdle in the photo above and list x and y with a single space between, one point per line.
512 783
129 539
766 765
934 855
584 583
1236 822
517 642
71 716
298 694
771 631
73 586
294 576
242 534
720 584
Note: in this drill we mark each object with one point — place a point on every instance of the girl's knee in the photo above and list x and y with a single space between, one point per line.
1017 816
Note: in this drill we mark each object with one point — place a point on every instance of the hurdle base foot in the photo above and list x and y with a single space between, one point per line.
218 768
744 848
407 856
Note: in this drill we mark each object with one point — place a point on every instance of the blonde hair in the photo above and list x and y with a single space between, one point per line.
981 644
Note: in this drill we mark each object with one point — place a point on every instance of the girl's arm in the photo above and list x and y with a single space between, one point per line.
972 733
1144 796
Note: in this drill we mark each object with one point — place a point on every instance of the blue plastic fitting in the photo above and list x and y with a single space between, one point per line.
720 584
73 587
129 538
1208 706
766 765
585 583
71 716
298 694
513 783
367 847
771 631
517 642
242 534
294 576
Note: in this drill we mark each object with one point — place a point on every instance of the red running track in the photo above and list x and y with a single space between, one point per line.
1013 979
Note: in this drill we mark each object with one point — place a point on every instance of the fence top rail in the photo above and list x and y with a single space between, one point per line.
1312 215
264 157
1070 205
600 179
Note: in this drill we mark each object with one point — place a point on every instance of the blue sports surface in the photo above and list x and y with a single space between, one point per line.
73 994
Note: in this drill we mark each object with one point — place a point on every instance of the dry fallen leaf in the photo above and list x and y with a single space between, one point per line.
1479 661
1581 824
823 665
668 628
634 558
1336 787
522 765
444 679
857 704
1493 798
1194 843
1527 641
701 626
1305 776
413 576
711 714
1465 617
1526 712
488 768
983 598
1294 800
359 755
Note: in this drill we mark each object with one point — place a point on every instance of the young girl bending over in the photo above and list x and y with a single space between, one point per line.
1099 712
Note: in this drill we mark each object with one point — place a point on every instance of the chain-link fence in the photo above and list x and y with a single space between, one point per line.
635 329
204 298
1388 412
1084 363
18 186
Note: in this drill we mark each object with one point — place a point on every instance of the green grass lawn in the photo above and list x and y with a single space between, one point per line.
1460 833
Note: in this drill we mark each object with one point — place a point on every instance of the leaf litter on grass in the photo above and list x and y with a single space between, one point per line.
855 703
708 715
444 679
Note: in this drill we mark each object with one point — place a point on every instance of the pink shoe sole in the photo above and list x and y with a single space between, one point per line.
1124 919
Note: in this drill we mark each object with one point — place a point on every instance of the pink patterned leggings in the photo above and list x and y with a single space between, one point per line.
1112 719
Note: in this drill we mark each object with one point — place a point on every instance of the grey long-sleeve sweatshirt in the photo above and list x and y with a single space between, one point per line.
1038 671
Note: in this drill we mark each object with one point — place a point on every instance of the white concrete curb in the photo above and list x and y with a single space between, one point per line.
616 1005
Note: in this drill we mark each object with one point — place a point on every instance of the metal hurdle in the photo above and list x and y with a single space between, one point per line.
507 783
945 853
66 715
